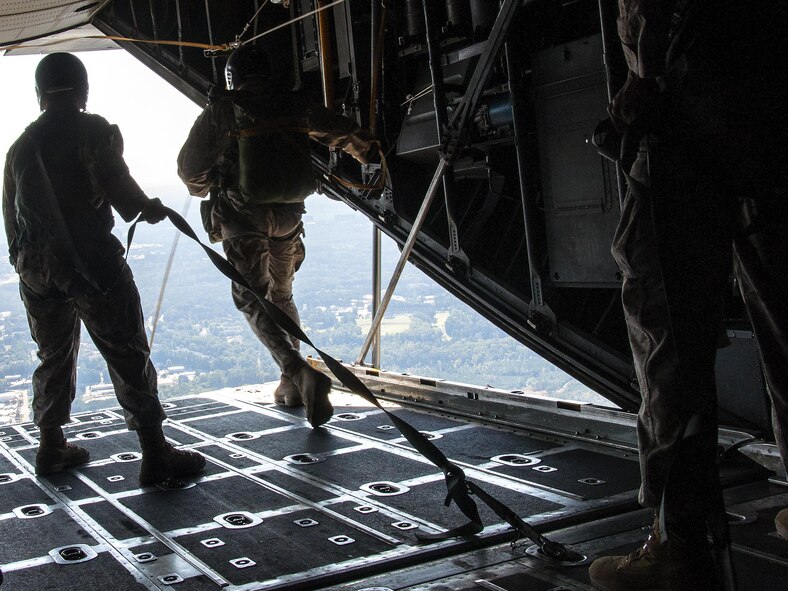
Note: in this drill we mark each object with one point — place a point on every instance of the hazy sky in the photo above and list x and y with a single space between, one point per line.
153 117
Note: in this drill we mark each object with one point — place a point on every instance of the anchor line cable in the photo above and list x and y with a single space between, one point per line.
251 20
459 489
205 46
291 21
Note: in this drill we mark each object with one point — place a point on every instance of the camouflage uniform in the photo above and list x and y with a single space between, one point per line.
261 235
62 176
709 181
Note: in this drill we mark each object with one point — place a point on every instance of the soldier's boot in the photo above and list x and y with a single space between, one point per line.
314 387
161 461
781 523
55 454
287 393
656 566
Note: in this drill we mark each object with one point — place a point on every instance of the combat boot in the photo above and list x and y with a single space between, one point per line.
656 566
161 461
55 454
781 523
314 387
287 393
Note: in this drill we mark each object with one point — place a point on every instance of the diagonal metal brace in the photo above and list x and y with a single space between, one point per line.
457 126
448 151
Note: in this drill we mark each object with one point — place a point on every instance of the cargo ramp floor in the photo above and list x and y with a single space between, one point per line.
283 506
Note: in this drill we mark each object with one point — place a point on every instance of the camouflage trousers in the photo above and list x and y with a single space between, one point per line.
684 222
268 260
57 302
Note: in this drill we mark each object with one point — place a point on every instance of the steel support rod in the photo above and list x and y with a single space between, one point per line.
529 208
458 120
604 19
481 73
326 63
210 40
377 32
403 258
376 265
442 120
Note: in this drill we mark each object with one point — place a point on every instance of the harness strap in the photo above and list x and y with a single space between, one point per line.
59 227
458 488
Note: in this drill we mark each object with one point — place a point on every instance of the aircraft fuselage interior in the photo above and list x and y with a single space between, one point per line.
489 183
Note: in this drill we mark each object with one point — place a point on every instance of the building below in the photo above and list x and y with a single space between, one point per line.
15 406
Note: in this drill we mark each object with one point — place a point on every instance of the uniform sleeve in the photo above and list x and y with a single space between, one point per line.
336 131
9 210
209 138
109 173
643 27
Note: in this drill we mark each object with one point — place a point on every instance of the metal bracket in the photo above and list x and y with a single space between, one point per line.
237 520
519 460
384 488
72 554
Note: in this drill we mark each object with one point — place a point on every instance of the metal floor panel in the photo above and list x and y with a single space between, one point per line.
260 518
760 558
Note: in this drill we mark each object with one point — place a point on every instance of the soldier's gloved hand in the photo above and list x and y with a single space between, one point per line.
154 211
365 148
638 96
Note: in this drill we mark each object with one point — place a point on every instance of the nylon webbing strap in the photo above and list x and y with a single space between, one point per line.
458 488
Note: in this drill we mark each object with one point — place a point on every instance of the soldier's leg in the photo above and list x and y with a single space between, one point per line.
287 254
671 247
762 270
55 328
116 325
681 313
251 257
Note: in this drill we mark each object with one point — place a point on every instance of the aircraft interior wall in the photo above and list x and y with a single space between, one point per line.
521 224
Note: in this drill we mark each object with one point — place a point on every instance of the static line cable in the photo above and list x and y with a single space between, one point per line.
411 98
205 46
166 277
181 63
293 20
251 20
210 39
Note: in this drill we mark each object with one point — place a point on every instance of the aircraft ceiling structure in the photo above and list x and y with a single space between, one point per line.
484 111
23 21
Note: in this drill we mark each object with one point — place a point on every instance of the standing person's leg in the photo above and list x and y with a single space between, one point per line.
671 248
251 258
286 255
762 270
55 328
250 255
115 323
